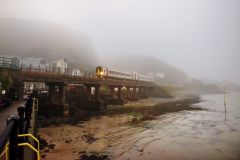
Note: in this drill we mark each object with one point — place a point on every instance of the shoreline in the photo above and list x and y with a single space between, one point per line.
158 108
92 138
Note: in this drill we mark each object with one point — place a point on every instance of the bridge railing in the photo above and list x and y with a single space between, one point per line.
13 138
55 71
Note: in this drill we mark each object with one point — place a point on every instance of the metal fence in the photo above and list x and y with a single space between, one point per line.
16 137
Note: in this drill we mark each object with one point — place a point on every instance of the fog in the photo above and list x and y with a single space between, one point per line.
43 39
199 37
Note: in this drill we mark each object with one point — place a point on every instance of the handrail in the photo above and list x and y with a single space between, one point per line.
30 135
5 151
6 134
30 146
17 128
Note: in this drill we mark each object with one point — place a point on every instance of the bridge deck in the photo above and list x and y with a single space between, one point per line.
47 76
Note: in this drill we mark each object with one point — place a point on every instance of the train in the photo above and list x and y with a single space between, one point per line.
101 72
104 72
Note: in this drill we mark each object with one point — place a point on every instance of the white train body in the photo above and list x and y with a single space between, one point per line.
106 72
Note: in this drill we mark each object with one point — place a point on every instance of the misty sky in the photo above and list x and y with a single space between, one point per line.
201 37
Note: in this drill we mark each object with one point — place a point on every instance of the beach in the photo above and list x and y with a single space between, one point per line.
148 129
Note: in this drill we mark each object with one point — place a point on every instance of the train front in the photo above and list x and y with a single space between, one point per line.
100 72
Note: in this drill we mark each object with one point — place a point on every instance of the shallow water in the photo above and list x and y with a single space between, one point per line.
206 134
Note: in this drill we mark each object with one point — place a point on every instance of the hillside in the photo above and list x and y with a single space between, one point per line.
42 39
172 79
200 87
162 72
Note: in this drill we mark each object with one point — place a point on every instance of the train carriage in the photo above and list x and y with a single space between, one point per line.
102 72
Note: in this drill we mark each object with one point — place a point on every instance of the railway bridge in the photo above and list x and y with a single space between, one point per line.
57 83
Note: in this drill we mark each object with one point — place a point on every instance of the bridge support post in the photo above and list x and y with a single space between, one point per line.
112 91
119 92
140 92
57 93
56 99
62 91
134 92
20 91
128 92
97 93
89 92
51 90
146 92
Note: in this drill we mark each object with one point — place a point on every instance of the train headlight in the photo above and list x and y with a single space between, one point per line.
101 73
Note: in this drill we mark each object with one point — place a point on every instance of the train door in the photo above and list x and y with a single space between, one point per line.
135 76
105 72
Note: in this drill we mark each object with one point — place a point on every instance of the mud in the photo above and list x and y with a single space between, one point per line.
156 129
95 138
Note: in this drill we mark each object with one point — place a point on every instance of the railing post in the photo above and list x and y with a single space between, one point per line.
13 139
28 112
21 111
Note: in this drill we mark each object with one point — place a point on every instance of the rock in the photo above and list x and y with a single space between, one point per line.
82 152
45 151
94 157
51 146
89 138
67 141
43 142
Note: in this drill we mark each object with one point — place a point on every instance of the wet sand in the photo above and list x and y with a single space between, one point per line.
153 129
113 134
